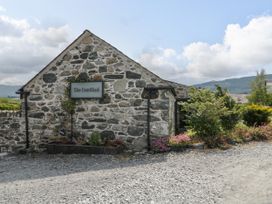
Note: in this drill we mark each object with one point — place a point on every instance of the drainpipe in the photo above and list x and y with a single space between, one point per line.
176 117
26 94
148 122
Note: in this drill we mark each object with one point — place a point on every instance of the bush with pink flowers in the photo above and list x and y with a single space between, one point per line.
179 140
160 144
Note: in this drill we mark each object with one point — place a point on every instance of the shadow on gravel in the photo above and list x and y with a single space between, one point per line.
36 166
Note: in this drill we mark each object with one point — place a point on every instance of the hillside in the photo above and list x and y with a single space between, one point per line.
234 85
8 91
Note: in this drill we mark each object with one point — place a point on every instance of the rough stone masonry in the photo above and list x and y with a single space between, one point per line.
120 113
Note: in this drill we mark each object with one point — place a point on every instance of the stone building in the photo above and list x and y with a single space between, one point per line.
130 93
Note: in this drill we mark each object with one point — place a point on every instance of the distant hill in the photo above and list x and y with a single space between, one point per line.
8 91
234 85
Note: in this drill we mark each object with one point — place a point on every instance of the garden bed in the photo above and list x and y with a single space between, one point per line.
81 149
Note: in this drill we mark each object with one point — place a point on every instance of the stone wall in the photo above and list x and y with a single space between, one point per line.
121 113
11 130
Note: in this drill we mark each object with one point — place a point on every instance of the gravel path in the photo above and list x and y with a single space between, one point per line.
239 175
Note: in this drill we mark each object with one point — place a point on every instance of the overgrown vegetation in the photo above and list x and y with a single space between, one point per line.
256 115
215 119
258 94
69 106
206 113
95 139
9 104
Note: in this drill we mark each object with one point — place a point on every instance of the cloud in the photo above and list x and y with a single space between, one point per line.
25 49
243 51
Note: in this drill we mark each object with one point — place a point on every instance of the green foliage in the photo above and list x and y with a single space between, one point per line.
69 104
256 115
231 117
9 104
258 94
204 112
95 139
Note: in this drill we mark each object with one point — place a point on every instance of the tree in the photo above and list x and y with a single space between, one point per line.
203 112
69 105
258 94
231 117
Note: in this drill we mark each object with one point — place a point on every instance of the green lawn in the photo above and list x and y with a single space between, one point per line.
9 104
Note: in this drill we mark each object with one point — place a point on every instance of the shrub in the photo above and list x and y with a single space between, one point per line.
160 144
256 115
264 132
203 115
179 140
95 139
231 116
244 133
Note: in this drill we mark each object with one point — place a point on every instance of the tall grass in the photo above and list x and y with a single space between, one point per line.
9 104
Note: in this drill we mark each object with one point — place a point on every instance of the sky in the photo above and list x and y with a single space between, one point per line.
187 41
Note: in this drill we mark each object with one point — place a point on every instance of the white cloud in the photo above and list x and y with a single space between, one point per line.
25 49
243 51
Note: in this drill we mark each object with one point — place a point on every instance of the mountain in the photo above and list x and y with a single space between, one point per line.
234 85
8 91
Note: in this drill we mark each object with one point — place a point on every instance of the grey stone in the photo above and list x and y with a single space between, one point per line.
67 57
111 60
123 104
54 68
135 131
160 105
85 125
84 55
144 118
114 76
80 109
35 97
15 125
49 78
152 94
120 85
102 69
132 75
97 120
113 121
88 65
102 126
77 61
118 96
131 84
107 135
65 73
93 56
140 83
88 48
83 77
45 109
95 109
136 102
36 115
105 100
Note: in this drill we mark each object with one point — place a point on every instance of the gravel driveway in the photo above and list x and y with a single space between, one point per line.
240 175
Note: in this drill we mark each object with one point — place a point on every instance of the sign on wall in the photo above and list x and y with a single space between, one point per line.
92 89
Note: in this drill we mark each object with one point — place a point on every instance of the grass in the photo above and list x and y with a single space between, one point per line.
9 104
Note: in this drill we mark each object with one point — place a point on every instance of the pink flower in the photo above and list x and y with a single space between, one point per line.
179 139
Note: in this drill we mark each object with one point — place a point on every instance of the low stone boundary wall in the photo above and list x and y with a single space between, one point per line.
12 134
